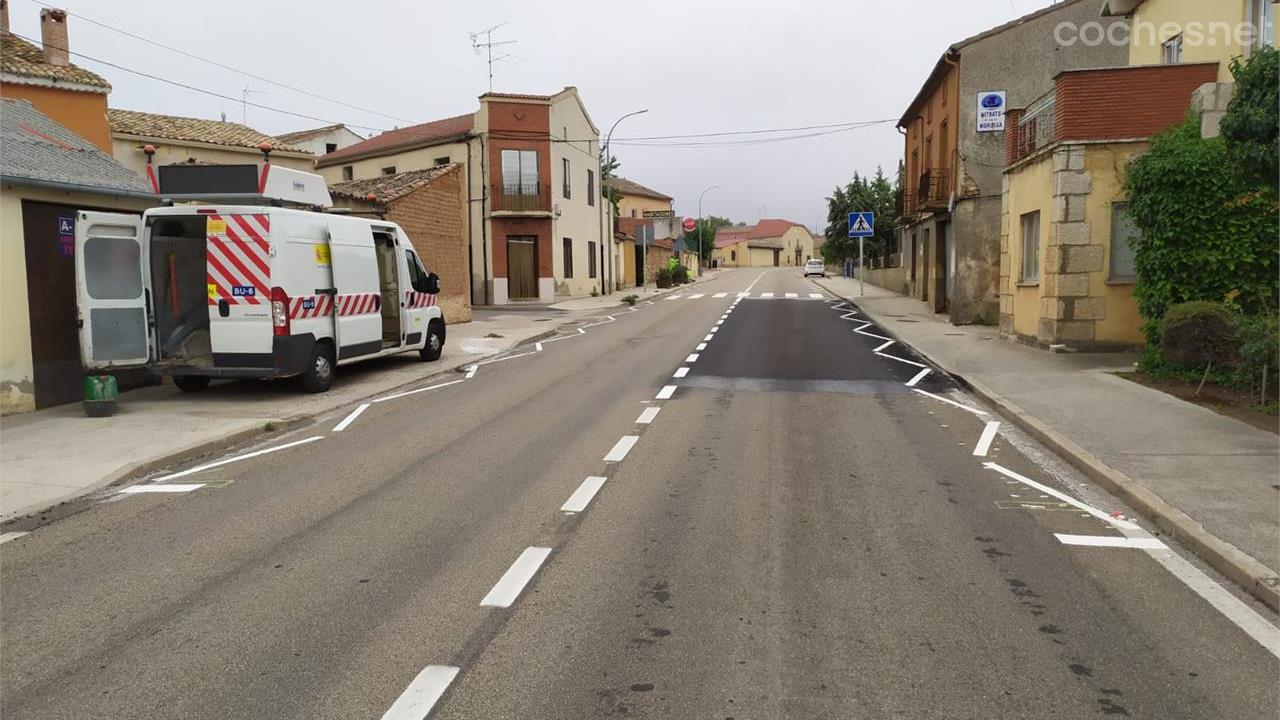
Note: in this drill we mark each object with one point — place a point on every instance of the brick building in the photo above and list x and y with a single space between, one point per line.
1066 260
431 206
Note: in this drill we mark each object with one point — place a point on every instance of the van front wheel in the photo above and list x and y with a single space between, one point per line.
191 383
319 374
430 352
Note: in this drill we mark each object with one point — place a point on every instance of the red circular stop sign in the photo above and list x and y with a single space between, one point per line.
690 224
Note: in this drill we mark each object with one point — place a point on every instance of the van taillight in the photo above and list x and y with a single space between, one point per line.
279 311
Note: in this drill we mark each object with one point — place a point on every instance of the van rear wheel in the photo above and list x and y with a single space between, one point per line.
319 374
430 352
191 383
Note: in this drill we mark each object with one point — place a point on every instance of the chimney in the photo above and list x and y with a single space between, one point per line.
53 35
4 16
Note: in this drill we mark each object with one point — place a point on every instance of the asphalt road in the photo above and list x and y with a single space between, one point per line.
802 529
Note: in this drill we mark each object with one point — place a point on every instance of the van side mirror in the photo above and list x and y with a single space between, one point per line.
433 284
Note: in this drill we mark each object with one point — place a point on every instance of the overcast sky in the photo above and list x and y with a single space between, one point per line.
698 67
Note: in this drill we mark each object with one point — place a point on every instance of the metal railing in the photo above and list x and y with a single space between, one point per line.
1036 126
934 189
521 197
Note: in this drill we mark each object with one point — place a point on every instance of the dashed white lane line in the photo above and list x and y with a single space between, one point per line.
681 372
743 294
919 376
949 401
1111 541
985 440
647 415
674 297
581 497
766 295
417 700
696 296
397 396
816 296
173 488
720 295
666 392
1113 521
512 582
701 347
882 347
692 358
471 371
346 421
707 339
228 461
719 323
6 537
793 295
621 448
715 329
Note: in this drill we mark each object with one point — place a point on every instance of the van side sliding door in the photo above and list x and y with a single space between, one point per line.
357 304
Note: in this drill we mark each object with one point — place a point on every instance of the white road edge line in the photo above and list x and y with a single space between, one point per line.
949 401
681 372
707 339
417 700
6 537
816 296
647 415
346 421
621 448
766 295
174 488
919 376
581 497
666 392
227 461
512 582
415 392
1104 517
1111 541
793 295
471 371
988 435
904 361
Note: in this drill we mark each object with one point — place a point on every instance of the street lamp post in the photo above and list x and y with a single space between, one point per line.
702 232
609 230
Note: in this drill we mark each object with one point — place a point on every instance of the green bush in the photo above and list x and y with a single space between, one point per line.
1259 343
1207 233
1198 334
1251 126
680 275
663 277
631 299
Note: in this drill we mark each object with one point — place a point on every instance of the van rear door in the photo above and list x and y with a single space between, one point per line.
112 294
357 303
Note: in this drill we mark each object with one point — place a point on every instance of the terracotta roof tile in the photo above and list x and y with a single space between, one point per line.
172 127
307 134
387 188
403 138
22 59
629 187
732 235
770 228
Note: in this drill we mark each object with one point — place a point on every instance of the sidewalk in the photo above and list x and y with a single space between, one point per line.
54 455
1207 479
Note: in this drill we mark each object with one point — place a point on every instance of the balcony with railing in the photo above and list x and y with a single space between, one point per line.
521 198
933 192
1032 129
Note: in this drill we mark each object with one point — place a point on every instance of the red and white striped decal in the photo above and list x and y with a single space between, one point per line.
357 304
415 299
310 306
237 259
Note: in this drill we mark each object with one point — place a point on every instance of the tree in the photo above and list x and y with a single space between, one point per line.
608 171
702 239
1252 123
862 194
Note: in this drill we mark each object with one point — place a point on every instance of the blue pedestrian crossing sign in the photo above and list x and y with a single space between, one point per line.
862 224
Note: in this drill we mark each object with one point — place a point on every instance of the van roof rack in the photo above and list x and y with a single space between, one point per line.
260 184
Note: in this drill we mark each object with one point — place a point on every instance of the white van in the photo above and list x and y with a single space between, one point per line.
249 291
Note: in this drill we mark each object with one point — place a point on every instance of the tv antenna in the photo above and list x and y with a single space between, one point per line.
244 103
487 47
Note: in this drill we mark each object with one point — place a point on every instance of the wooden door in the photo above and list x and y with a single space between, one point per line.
522 267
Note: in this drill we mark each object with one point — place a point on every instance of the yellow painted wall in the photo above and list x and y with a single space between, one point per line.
797 237
1030 190
760 257
627 253
731 255
1106 164
128 151
577 218
83 113
635 205
1209 29
17 374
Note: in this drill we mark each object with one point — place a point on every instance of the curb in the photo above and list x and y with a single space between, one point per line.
1243 569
